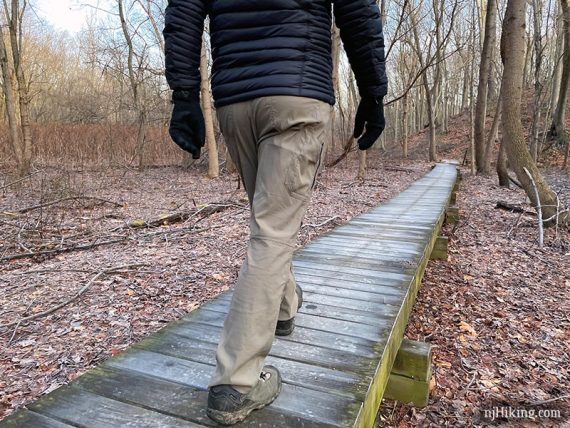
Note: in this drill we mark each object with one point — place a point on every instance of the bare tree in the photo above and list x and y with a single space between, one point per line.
135 81
483 88
513 54
11 57
213 163
558 128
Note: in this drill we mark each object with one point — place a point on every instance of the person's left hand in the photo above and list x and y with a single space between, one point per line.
370 115
187 127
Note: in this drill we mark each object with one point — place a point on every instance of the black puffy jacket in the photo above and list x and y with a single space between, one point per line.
273 47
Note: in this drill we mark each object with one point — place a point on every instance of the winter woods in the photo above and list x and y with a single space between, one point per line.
98 97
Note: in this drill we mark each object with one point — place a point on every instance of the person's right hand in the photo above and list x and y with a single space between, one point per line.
370 114
187 127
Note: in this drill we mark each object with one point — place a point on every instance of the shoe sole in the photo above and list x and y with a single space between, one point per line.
232 418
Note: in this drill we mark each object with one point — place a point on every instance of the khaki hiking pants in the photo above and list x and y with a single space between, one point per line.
277 144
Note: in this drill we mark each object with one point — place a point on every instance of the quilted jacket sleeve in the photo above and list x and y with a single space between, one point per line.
184 25
361 33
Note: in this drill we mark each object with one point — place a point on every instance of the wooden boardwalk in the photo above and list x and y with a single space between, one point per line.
359 280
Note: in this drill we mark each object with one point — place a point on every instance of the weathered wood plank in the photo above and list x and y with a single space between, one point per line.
336 359
341 327
370 241
386 313
368 249
367 308
26 419
178 352
82 408
365 251
324 339
348 294
312 275
186 402
196 374
396 266
347 272
385 287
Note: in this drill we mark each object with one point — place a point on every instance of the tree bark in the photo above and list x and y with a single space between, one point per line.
14 15
493 135
557 73
513 55
361 165
558 128
135 87
502 170
331 148
405 103
537 24
10 102
483 87
213 162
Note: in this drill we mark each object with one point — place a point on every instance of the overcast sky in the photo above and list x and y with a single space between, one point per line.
63 14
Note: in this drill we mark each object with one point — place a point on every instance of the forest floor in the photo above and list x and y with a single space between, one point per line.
497 312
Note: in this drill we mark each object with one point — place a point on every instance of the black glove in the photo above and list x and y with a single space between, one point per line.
187 127
370 113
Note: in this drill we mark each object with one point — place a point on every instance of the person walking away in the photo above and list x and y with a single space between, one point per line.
273 92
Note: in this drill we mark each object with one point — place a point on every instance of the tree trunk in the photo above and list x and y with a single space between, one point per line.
465 93
493 135
331 148
537 24
135 87
529 50
513 55
502 170
558 128
14 17
361 165
405 127
483 88
141 137
557 73
213 162
9 99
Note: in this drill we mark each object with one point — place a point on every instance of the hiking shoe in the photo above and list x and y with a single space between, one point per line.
285 328
228 406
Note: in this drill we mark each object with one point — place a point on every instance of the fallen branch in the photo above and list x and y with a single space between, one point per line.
204 212
323 223
400 169
551 400
72 299
63 250
513 208
515 182
20 180
100 244
347 149
71 198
